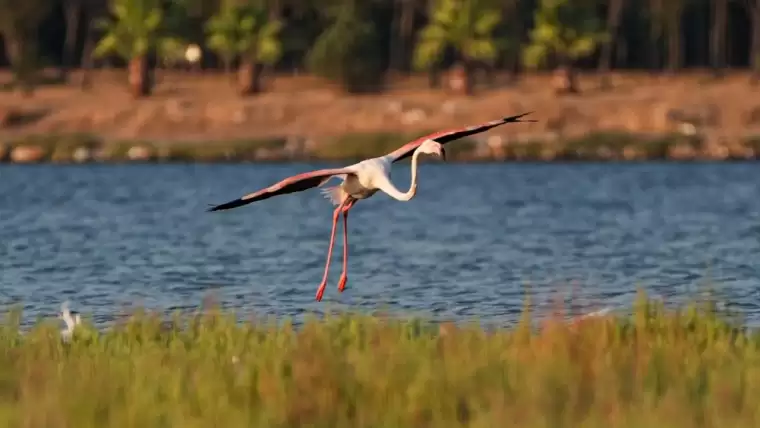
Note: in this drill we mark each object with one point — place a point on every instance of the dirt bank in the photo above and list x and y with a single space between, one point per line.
204 107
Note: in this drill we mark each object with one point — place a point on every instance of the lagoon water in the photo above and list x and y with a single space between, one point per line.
110 237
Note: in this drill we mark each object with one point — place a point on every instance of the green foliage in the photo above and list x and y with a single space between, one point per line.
244 29
465 26
177 31
564 29
346 53
137 27
684 367
603 146
219 151
612 145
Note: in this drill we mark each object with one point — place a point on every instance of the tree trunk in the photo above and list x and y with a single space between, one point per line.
674 46
395 38
622 53
655 34
140 84
565 79
249 78
654 50
513 10
13 48
489 73
460 78
86 61
22 54
468 68
614 13
72 10
755 45
718 36
434 77
407 31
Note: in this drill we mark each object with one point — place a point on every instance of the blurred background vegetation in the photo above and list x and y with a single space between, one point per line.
357 44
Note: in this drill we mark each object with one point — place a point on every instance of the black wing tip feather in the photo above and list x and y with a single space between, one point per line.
518 117
226 205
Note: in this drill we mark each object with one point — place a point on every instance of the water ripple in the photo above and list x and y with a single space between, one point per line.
107 237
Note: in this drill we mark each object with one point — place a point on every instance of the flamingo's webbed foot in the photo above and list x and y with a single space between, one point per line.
321 290
342 282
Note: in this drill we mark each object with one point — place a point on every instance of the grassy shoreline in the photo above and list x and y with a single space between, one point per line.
675 368
601 146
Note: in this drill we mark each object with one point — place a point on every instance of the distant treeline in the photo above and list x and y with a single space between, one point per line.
355 42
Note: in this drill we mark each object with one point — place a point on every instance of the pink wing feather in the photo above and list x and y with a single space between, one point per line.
292 184
453 134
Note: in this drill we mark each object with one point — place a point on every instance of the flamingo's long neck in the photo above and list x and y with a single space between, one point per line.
409 194
384 183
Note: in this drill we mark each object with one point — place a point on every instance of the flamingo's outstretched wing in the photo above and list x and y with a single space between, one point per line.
453 134
292 184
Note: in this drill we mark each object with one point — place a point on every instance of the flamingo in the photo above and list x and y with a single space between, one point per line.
362 180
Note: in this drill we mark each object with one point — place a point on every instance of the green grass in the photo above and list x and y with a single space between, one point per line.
657 368
612 145
241 150
60 148
601 146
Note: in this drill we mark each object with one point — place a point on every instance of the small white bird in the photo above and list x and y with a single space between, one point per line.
598 313
364 179
71 318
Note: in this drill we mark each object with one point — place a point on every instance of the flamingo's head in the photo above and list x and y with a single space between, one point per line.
434 148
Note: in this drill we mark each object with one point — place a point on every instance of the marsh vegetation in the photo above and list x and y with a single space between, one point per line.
687 367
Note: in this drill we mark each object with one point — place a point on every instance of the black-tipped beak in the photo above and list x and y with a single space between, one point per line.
443 154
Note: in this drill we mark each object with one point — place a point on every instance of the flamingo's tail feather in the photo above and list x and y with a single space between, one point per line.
334 194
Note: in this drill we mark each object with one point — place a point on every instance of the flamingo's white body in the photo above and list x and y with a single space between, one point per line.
365 178
362 180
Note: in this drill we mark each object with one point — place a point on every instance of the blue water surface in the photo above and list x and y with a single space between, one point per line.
110 237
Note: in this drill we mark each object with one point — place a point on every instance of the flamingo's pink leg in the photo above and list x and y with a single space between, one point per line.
321 289
344 275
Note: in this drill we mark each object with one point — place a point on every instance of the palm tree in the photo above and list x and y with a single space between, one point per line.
467 27
137 30
565 31
245 30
